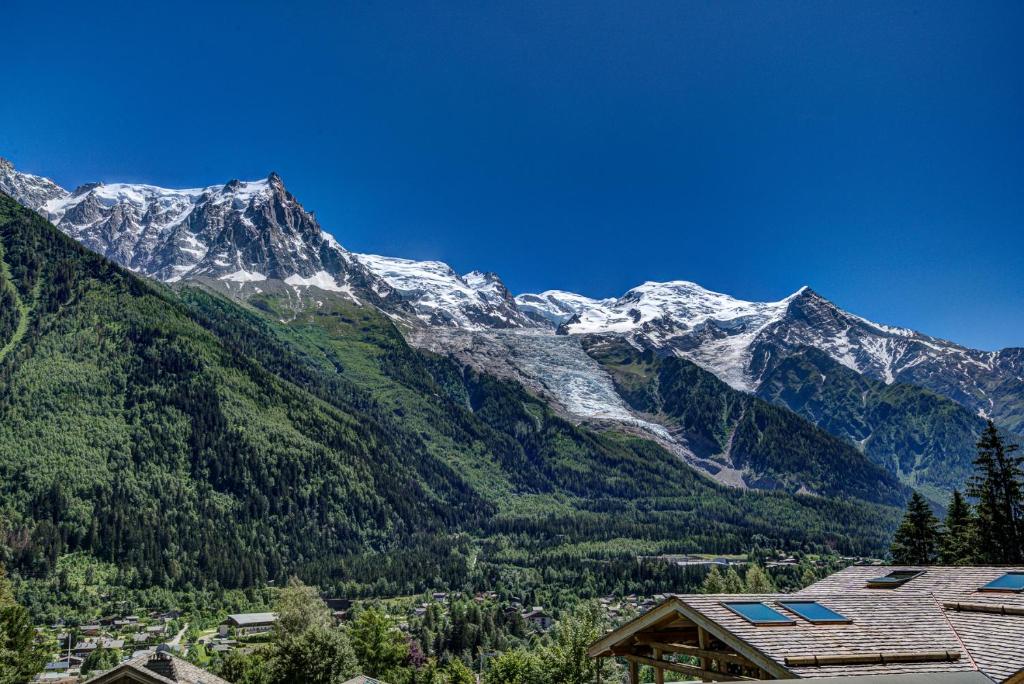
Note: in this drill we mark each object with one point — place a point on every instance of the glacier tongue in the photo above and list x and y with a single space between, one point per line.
553 366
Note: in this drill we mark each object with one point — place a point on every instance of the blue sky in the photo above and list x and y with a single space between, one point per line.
870 150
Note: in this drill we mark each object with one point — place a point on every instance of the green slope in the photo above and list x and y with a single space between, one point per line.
924 438
195 442
777 447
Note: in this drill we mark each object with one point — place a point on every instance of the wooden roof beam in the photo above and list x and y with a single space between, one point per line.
697 652
873 658
692 670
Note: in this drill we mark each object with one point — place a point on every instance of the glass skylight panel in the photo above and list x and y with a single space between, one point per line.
812 611
758 613
894 579
1011 581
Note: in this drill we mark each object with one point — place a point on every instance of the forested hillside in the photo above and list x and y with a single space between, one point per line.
198 443
926 439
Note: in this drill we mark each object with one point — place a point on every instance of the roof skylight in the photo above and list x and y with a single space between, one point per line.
814 612
1011 581
896 578
758 613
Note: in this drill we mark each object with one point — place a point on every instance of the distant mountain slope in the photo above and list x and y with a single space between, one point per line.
128 429
926 439
766 446
196 441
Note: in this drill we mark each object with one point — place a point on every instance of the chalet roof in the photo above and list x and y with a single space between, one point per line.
158 668
880 625
993 640
252 619
363 679
940 613
943 581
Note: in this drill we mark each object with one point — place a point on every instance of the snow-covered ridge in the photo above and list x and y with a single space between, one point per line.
439 296
243 232
719 330
557 306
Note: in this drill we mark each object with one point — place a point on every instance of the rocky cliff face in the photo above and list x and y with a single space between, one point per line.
240 232
29 190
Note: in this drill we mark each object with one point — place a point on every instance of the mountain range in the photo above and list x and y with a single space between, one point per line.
911 403
200 441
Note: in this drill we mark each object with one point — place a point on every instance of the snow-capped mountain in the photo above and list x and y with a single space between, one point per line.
31 191
239 232
441 297
739 341
714 330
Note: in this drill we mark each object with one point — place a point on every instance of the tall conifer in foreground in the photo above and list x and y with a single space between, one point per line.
917 538
996 486
958 545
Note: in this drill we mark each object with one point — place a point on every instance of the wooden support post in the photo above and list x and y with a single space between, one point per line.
600 662
634 672
702 641
659 673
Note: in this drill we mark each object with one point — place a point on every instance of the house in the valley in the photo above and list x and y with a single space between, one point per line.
932 623
539 618
245 624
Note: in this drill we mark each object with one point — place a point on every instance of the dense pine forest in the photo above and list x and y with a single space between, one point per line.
197 443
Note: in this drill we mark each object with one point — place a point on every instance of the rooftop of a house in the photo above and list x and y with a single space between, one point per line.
161 667
252 619
984 605
860 621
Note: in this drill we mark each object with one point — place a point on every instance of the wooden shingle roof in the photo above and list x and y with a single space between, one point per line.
169 670
939 621
879 625
995 642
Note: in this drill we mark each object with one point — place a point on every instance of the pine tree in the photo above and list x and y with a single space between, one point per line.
996 486
958 544
758 581
918 535
713 582
733 582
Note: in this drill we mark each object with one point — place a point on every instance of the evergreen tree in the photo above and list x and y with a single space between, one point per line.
996 486
733 582
713 582
758 581
20 656
958 544
918 535
379 646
